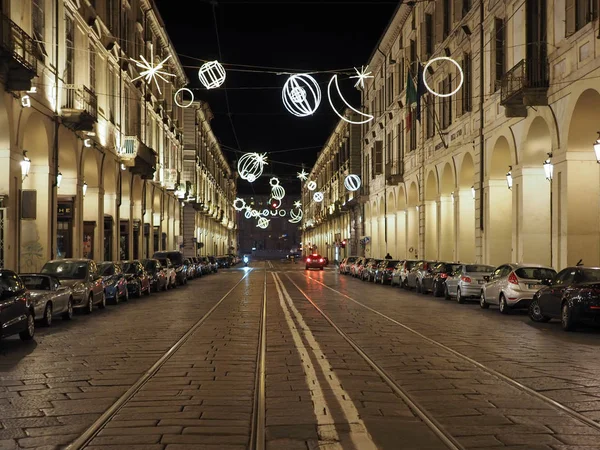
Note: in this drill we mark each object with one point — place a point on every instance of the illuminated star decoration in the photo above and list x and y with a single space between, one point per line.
303 176
152 71
362 75
297 204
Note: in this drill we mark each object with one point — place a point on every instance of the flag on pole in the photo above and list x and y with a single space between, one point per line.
421 90
411 97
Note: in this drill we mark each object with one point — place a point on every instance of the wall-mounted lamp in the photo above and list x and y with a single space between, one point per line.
122 166
87 142
549 167
452 196
58 179
26 101
84 188
466 29
597 148
447 51
25 165
473 192
509 180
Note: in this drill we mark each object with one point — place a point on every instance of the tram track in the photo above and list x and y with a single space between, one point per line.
257 432
498 375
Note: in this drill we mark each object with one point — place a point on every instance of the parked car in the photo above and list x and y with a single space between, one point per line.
157 273
356 265
115 285
360 268
315 261
222 262
213 263
82 276
368 272
384 271
178 262
346 264
48 297
192 270
17 315
400 274
138 281
573 296
169 271
513 285
420 276
441 273
465 281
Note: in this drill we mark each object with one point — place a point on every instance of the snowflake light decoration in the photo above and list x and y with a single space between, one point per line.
297 204
303 176
151 71
362 75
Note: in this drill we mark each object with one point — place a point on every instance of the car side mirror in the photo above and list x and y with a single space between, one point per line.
486 278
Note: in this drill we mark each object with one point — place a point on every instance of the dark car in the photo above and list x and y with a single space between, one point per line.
368 272
314 261
441 272
222 262
159 280
384 271
115 285
178 261
138 280
17 315
572 296
213 263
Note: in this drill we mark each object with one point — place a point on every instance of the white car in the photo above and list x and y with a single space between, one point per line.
49 297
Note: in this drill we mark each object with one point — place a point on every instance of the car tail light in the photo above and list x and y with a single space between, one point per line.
443 275
512 278
307 259
321 260
466 279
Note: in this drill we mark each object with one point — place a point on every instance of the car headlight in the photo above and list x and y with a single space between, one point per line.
79 287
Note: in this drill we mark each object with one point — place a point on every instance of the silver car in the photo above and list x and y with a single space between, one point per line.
514 285
466 282
49 297
83 278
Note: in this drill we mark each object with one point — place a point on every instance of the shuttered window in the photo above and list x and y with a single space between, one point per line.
446 102
498 54
467 88
400 143
430 116
579 13
378 159
439 22
413 132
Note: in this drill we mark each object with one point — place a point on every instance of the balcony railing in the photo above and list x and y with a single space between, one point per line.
530 74
81 99
22 49
130 148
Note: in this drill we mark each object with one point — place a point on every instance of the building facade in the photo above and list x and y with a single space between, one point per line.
209 220
334 226
92 155
467 181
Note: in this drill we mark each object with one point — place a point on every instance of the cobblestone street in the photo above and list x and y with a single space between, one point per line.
277 357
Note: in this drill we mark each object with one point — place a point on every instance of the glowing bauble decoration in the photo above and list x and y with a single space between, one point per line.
301 95
250 166
263 223
282 212
274 213
318 197
352 182
276 203
296 217
277 192
180 92
334 80
312 185
212 74
239 204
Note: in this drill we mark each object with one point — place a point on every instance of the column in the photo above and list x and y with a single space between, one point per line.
446 228
498 223
431 229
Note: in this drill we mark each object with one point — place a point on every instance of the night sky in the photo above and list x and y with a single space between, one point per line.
259 39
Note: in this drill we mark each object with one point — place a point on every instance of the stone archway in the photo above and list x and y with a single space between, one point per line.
412 222
431 216
446 224
466 210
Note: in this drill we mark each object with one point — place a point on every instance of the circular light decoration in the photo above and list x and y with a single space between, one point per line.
282 212
250 166
277 192
301 95
318 197
265 212
180 92
239 204
352 182
274 213
274 182
248 214
367 117
211 74
443 58
263 223
312 185
296 217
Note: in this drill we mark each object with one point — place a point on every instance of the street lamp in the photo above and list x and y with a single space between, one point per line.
25 165
509 180
58 179
549 167
597 148
84 188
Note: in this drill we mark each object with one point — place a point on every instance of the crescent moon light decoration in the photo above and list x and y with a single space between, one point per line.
296 218
318 197
352 182
301 95
311 185
368 117
250 166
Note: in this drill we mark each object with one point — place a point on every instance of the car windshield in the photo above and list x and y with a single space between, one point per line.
36 282
410 264
163 261
479 268
106 269
150 265
591 274
535 273
175 257
351 260
70 270
9 285
130 268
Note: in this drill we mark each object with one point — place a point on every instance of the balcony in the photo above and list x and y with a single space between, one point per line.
79 108
394 173
526 84
19 54
140 158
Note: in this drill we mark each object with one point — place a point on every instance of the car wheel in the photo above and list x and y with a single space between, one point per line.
535 312
90 305
435 289
459 297
28 333
418 288
68 314
446 293
138 290
148 291
503 306
482 303
126 296
102 303
165 287
566 318
47 319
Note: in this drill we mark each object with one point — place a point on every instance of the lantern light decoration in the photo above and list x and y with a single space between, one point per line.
212 74
25 165
549 167
250 166
263 223
277 192
509 179
239 204
301 95
597 148
84 188
318 197
352 182
58 179
312 185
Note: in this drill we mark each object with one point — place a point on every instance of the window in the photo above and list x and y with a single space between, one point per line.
38 25
447 18
446 103
467 100
110 15
413 131
401 69
390 89
428 35
400 144
112 94
378 158
413 58
430 116
70 51
498 54
579 13
388 149
92 67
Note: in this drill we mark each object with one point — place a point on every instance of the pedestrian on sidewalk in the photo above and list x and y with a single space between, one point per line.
388 256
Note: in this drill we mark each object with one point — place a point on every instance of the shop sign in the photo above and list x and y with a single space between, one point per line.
65 210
